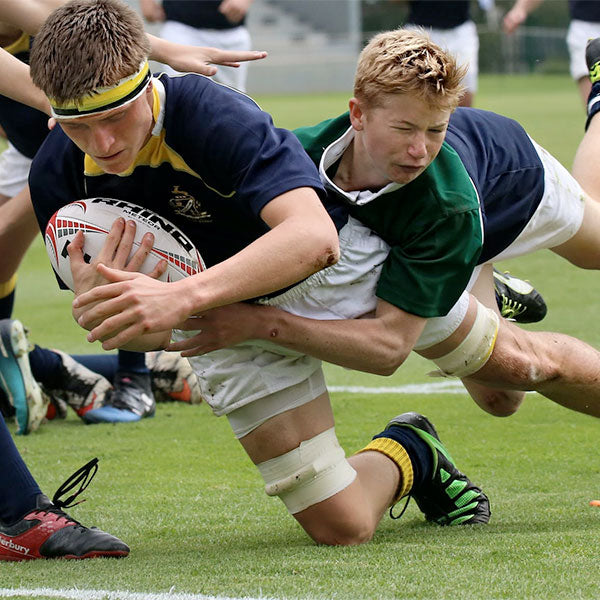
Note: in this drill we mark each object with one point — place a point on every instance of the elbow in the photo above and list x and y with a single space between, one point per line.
389 362
328 255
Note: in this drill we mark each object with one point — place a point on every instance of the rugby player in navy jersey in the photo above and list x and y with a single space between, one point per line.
413 171
131 390
254 213
131 398
31 526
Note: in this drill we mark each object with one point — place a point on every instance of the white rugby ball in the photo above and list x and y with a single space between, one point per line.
95 216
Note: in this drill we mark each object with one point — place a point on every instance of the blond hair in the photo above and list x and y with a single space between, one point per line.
85 45
406 61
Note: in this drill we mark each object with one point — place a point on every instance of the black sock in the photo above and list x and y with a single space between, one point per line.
46 367
132 362
6 305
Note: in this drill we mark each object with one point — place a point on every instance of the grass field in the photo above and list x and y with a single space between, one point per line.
182 493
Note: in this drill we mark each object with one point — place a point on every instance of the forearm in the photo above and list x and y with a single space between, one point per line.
17 230
16 83
27 15
283 256
527 5
362 344
149 342
161 49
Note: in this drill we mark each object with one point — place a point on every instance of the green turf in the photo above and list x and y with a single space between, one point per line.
182 493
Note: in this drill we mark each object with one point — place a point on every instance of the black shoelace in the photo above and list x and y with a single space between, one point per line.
392 515
82 478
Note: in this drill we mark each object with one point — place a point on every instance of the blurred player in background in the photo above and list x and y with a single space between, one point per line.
218 23
449 24
584 25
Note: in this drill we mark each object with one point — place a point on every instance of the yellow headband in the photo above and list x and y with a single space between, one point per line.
124 91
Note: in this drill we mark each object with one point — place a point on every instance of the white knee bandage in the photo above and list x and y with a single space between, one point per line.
475 350
311 473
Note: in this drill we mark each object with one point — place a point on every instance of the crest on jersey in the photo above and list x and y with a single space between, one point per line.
185 205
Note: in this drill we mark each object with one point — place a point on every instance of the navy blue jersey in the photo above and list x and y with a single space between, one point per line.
585 10
25 127
214 160
202 14
439 14
505 168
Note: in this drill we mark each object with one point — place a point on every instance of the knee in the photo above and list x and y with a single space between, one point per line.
501 403
343 534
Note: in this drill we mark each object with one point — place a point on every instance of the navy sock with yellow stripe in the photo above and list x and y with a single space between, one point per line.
411 454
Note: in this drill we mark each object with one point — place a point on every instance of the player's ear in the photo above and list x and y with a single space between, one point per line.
356 113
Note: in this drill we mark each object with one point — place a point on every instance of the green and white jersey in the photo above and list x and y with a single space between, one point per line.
433 225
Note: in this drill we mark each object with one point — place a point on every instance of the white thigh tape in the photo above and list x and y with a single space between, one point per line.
311 473
474 351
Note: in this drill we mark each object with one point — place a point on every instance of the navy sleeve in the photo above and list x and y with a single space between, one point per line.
53 177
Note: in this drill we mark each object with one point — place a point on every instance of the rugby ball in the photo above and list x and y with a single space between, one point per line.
95 216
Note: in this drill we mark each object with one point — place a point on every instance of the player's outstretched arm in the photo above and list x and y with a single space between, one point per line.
18 228
193 59
16 83
27 15
376 345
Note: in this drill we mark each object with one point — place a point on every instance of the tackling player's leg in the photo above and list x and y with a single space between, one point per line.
562 368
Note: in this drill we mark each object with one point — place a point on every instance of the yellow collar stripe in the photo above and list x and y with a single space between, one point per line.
103 99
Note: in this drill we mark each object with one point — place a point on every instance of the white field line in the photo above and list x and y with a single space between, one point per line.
447 386
76 594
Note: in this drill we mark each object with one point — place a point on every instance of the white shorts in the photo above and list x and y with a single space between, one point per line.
558 216
14 171
556 220
577 37
463 43
232 378
237 38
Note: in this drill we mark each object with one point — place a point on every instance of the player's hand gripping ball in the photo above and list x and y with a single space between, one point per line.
95 216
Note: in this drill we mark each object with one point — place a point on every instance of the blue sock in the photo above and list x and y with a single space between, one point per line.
132 362
6 305
46 367
418 451
19 490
